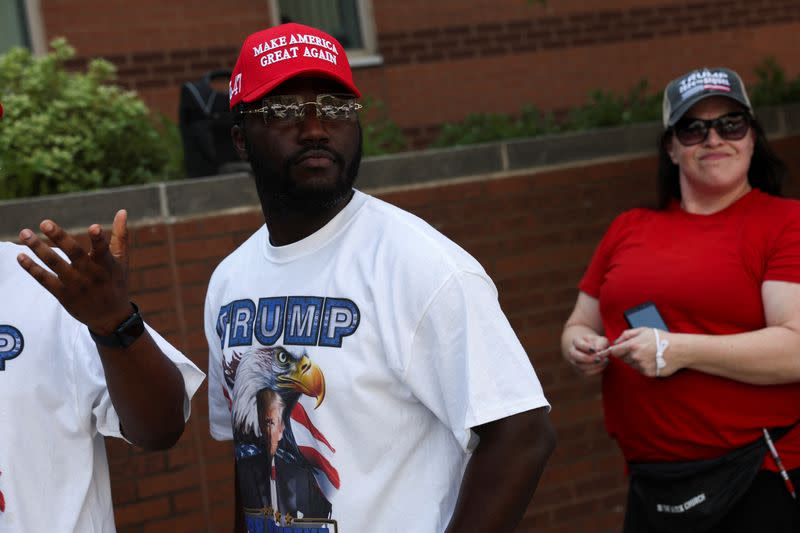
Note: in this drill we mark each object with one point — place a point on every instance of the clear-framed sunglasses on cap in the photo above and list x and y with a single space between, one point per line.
731 127
290 108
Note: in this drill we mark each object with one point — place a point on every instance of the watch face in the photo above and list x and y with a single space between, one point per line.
131 329
125 334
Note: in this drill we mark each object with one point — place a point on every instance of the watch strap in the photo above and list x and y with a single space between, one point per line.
125 334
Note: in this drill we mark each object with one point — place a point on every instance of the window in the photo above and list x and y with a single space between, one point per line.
350 21
20 25
13 25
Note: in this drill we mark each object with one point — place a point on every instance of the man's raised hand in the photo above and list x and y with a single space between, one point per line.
92 286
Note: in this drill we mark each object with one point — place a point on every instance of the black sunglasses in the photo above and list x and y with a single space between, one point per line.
731 127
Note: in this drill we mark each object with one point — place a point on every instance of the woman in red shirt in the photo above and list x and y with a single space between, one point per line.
720 260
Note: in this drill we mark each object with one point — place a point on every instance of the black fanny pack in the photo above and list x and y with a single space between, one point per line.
693 496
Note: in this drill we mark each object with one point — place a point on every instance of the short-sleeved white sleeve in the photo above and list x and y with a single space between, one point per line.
92 389
465 362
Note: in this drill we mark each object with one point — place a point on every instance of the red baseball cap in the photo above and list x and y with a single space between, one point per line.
1 110
272 56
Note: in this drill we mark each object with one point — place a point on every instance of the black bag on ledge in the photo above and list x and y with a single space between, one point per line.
205 123
694 496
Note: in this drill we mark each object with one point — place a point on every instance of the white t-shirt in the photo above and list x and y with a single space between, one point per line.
384 343
55 410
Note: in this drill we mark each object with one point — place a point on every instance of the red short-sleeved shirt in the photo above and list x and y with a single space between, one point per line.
704 273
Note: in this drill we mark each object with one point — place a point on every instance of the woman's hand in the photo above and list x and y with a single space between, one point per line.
582 345
587 354
637 349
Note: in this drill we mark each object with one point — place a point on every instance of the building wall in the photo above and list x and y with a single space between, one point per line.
534 234
446 59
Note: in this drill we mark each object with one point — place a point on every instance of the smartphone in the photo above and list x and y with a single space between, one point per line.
645 315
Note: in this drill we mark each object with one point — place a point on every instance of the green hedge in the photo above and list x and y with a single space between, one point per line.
604 109
381 134
65 132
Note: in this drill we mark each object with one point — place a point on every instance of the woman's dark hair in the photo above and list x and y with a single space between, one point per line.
767 170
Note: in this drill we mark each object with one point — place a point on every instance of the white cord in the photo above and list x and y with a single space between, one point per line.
661 347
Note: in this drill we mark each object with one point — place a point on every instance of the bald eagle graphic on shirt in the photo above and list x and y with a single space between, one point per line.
283 461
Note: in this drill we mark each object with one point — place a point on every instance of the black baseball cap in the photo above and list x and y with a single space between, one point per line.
685 91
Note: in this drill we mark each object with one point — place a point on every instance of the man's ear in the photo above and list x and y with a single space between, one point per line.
237 136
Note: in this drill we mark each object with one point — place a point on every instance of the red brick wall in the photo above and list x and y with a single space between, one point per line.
445 59
534 235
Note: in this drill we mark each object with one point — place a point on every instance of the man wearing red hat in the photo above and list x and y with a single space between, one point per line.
400 399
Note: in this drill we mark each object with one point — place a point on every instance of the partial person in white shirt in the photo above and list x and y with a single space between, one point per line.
77 364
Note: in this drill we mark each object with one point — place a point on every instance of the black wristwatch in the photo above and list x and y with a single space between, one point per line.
127 332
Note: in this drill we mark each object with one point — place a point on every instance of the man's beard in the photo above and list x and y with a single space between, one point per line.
278 190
